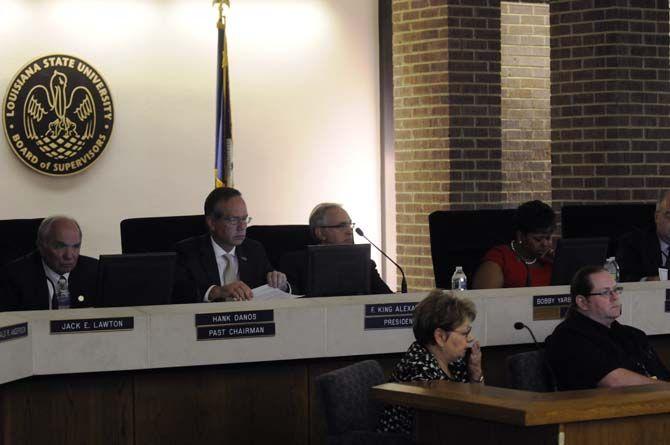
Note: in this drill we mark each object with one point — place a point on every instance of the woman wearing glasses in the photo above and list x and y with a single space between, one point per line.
442 324
329 224
528 259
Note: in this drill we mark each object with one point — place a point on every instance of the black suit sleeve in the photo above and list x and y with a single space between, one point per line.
9 300
254 264
84 283
636 257
377 285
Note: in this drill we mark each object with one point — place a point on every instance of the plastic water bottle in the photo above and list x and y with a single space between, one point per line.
458 280
612 268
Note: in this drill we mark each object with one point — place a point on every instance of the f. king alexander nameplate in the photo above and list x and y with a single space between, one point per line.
58 115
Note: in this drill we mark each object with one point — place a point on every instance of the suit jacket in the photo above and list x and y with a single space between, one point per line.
294 265
196 268
24 284
639 254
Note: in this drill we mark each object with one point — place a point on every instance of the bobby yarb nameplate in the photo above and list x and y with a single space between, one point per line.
58 115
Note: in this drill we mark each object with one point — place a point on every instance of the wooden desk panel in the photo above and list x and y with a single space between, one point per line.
447 411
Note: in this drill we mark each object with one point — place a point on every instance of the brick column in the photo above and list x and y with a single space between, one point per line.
447 117
526 141
610 100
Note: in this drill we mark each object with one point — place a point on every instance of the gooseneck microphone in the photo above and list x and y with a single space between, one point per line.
518 326
403 284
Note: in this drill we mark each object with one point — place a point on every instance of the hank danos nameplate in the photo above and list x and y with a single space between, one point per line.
58 115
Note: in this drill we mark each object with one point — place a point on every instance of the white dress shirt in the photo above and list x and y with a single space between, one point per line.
52 281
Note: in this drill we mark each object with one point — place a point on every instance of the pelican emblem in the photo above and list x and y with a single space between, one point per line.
58 115
70 120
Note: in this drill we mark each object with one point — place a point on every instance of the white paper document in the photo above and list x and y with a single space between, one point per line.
266 292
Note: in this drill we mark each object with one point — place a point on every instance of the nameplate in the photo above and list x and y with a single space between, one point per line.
400 321
13 332
220 318
389 309
551 307
388 315
92 325
236 331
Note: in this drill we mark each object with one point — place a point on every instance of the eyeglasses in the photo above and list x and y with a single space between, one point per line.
344 225
465 334
236 220
608 292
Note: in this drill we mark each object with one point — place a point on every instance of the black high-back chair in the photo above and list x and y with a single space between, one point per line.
605 220
529 371
281 239
351 415
159 234
462 237
18 238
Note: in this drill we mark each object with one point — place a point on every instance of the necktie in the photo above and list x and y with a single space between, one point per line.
62 294
229 275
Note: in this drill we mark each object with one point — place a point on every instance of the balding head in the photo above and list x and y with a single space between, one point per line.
59 241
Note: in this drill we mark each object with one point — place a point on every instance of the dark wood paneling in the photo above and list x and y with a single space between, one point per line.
242 404
86 409
433 428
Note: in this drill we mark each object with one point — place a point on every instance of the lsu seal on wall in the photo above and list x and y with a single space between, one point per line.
58 115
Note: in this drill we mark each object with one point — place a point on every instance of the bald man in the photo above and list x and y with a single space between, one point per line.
642 252
55 275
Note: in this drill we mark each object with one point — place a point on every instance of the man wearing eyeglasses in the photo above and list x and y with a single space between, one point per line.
591 349
223 265
329 224
642 252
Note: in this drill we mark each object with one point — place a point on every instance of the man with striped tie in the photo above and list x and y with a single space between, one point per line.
55 275
223 264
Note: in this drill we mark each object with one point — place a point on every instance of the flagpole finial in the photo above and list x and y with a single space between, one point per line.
223 6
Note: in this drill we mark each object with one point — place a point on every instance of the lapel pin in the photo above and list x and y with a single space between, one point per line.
80 298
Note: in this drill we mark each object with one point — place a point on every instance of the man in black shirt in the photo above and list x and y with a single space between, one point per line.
591 349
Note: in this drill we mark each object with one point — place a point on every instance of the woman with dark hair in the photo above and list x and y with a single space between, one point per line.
528 259
441 323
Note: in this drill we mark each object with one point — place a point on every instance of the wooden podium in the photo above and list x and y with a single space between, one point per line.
448 412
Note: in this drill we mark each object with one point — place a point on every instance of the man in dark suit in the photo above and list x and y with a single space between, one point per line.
54 276
223 265
642 252
330 224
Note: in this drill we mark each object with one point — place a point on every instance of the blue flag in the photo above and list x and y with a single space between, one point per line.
223 166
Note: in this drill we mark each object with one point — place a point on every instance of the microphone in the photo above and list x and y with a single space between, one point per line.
403 284
518 326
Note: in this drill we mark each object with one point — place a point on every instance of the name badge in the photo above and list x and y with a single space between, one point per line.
236 331
388 315
234 317
92 325
13 332
551 307
229 325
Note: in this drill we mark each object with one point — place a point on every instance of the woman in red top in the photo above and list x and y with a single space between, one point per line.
527 260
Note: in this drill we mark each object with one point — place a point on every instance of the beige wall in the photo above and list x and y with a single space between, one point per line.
305 95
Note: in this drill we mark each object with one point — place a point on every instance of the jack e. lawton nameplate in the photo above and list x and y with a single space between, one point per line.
92 325
58 115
